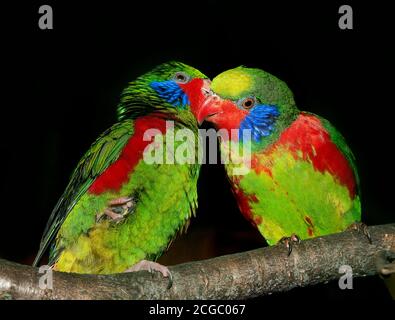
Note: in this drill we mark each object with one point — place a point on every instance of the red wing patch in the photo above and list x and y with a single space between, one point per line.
118 172
307 136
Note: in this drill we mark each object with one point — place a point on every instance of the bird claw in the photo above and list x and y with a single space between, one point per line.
361 227
117 209
290 242
388 269
116 217
385 263
151 266
120 201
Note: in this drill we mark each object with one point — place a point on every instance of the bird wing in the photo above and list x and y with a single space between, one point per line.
103 152
341 143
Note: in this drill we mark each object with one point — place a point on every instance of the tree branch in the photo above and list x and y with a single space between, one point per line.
237 276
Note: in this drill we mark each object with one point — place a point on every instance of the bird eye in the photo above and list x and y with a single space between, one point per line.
181 77
247 103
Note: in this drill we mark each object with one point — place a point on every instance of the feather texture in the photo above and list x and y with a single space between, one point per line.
261 121
163 196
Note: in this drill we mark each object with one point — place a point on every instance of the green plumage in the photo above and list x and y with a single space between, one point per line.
303 179
102 153
164 196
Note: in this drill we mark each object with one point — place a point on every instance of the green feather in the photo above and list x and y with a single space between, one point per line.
166 199
104 151
294 197
338 139
164 195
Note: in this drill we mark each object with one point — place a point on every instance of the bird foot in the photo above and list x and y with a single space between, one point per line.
150 266
388 269
385 263
117 210
361 227
289 242
123 201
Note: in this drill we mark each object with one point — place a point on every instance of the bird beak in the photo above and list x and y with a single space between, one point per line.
211 104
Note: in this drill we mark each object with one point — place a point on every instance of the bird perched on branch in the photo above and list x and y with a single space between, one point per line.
118 212
303 181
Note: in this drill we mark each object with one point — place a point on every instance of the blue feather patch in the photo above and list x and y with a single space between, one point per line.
261 121
171 92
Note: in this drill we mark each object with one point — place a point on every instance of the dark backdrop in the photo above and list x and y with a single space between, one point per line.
62 86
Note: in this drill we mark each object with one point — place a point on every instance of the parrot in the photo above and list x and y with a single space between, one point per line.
301 179
120 212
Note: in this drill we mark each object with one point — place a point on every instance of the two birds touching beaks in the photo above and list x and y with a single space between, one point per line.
119 213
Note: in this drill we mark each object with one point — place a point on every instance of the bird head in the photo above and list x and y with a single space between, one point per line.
168 88
246 98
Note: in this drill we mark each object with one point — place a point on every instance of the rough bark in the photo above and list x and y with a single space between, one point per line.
237 276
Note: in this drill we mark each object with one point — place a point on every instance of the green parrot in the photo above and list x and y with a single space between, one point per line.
299 178
120 211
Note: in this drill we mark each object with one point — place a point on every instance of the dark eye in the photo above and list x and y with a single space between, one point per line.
247 103
181 77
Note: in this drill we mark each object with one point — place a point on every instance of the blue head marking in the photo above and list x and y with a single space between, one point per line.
171 92
261 121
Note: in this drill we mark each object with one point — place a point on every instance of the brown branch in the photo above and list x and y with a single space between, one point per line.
237 276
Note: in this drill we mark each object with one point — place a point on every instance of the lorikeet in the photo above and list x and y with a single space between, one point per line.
118 210
303 179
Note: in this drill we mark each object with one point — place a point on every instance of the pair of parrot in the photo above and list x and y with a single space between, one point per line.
119 213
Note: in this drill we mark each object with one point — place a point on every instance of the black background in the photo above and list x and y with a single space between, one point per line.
61 88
